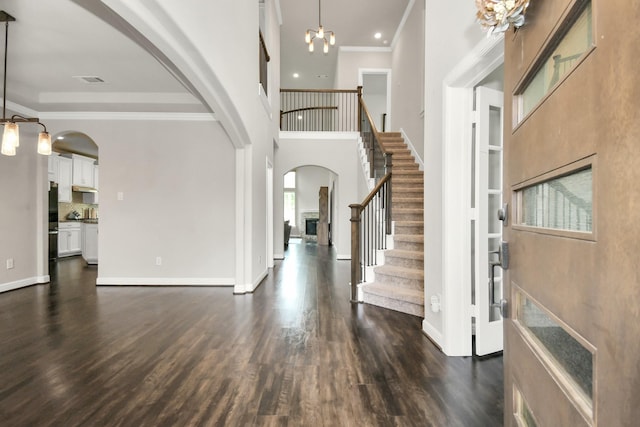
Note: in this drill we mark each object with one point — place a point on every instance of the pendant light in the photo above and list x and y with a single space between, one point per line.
11 134
321 34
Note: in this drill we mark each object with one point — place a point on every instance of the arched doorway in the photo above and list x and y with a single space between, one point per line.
73 171
308 204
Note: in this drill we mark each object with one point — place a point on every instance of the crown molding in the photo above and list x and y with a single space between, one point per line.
149 116
403 21
21 109
364 49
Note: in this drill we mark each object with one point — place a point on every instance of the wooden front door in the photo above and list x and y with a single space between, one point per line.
572 232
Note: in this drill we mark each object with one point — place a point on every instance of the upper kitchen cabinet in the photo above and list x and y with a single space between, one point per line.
92 198
83 171
65 167
53 167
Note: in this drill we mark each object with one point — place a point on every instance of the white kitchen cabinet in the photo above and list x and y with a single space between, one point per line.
92 198
69 239
90 243
64 179
82 170
52 169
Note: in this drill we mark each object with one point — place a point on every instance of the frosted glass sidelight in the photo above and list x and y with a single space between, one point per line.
566 352
558 62
564 203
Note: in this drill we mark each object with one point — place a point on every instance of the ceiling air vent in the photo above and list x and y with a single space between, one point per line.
92 80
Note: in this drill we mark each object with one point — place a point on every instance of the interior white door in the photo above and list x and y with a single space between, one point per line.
488 229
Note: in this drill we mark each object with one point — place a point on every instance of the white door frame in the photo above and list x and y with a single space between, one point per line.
270 262
456 205
380 71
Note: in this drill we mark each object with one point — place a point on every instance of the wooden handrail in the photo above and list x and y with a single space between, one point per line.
264 46
297 110
371 122
368 231
377 188
320 110
320 90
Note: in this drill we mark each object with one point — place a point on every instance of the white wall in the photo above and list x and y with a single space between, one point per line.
226 76
177 178
407 101
23 214
334 151
455 22
309 179
349 62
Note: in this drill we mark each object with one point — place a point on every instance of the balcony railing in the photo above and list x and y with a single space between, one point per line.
320 110
264 63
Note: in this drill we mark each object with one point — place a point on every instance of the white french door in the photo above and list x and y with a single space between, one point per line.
487 227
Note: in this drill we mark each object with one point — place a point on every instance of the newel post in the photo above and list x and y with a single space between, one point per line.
360 109
388 168
356 209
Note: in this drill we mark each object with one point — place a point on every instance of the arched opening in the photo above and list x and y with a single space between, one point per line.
74 197
308 205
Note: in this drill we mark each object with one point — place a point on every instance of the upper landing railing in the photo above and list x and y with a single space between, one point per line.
320 110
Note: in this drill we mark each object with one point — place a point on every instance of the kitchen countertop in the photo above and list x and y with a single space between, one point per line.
82 220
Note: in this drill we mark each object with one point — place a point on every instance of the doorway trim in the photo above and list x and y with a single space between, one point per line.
270 262
458 88
379 71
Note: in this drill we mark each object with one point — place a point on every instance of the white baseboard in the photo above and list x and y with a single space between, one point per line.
165 281
250 287
344 257
433 334
259 280
413 150
23 283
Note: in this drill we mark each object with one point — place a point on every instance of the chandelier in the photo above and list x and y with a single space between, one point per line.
320 33
11 134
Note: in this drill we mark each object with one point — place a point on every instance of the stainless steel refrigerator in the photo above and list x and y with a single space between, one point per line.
53 221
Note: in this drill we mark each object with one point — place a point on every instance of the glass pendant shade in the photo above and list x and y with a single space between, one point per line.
332 39
326 47
10 139
311 47
307 37
11 134
320 32
44 143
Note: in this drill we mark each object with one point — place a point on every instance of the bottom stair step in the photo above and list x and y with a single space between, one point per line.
404 300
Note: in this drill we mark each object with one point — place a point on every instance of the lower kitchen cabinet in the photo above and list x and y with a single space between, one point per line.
69 239
90 243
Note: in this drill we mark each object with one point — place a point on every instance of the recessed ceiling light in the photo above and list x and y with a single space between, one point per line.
377 35
60 137
299 117
296 75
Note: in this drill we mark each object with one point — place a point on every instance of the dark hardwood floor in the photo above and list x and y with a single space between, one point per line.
294 353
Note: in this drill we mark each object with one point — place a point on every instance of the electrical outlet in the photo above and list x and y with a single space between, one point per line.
158 260
9 263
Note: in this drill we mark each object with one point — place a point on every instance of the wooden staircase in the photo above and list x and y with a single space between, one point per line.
399 283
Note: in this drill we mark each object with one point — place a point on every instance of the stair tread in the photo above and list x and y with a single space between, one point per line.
413 238
414 296
397 271
409 223
401 253
408 210
407 199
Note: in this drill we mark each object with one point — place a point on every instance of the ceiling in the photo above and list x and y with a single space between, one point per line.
354 22
53 44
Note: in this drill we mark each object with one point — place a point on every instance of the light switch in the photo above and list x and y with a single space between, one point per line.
120 195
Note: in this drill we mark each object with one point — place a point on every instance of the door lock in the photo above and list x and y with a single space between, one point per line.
503 214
